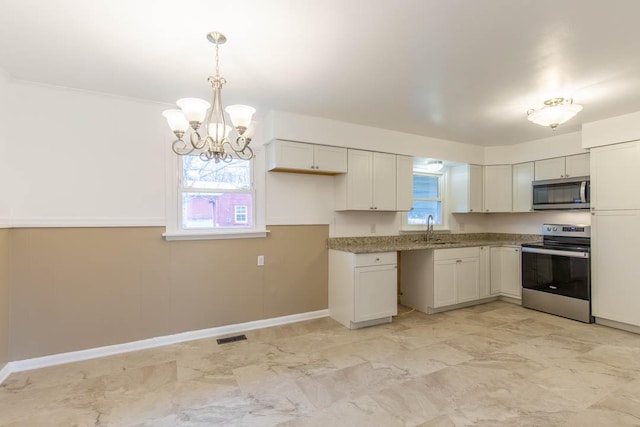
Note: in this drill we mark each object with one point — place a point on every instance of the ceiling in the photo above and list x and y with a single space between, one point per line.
460 70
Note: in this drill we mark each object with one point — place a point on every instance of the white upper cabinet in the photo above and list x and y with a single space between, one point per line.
523 174
616 175
289 156
370 183
562 167
577 165
404 183
466 185
498 188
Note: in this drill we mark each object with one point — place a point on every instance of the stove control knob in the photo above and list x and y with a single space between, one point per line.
555 228
548 228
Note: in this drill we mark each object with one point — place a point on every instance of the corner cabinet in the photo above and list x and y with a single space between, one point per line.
506 276
299 157
466 189
523 174
370 183
362 288
498 188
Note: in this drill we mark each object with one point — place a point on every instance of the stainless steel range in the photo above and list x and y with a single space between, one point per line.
556 273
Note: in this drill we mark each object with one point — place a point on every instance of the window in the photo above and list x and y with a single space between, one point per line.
216 195
241 214
427 200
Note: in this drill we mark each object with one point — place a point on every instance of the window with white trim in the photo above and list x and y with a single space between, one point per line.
215 196
240 213
427 200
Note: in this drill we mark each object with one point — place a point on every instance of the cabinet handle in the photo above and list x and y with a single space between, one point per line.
377 259
470 210
458 260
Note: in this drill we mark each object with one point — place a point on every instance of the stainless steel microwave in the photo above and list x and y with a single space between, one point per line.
562 194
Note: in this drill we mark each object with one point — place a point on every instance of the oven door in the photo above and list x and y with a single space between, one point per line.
554 271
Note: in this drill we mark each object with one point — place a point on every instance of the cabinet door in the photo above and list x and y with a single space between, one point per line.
330 159
498 195
511 277
523 174
484 282
549 168
444 283
466 187
467 279
404 183
476 188
496 270
615 267
375 292
615 176
577 165
384 182
360 180
289 155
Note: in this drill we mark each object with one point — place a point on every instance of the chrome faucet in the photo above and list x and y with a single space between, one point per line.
429 234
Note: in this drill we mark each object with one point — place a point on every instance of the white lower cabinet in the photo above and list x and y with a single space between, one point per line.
362 288
435 279
506 276
432 279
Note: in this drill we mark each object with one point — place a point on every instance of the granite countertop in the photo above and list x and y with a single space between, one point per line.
409 242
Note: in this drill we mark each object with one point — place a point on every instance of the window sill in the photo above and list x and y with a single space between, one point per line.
209 235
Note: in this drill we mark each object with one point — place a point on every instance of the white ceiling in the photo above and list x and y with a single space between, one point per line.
461 70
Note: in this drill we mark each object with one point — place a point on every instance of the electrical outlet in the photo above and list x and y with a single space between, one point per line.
461 226
260 260
373 229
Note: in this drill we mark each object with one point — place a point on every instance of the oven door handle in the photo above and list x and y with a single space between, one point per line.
555 252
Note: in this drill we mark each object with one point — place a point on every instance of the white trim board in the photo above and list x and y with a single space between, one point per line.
93 353
5 372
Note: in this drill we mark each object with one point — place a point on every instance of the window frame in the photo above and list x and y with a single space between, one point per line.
245 213
173 203
442 199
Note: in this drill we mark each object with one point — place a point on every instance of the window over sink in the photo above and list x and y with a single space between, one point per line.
428 199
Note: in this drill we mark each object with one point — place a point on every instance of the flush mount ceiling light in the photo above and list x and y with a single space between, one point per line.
555 112
213 141
433 166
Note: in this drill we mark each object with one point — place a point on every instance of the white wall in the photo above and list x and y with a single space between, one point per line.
83 158
5 134
553 146
316 130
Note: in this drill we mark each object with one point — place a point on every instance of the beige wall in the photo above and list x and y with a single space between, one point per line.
4 296
78 288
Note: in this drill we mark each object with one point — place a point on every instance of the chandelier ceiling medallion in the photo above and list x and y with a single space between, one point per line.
209 130
555 112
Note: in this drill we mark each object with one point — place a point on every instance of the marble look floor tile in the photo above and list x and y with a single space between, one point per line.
489 365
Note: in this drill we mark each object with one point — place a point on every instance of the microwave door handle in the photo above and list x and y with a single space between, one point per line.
583 192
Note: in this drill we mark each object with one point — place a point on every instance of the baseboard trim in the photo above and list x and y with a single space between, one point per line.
5 372
94 353
618 325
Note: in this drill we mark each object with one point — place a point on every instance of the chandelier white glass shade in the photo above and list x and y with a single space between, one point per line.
212 140
555 112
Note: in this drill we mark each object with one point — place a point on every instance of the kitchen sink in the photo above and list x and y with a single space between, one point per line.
422 242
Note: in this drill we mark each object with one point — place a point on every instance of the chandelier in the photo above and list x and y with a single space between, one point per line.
209 130
555 112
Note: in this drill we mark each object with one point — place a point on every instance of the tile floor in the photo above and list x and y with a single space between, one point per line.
488 365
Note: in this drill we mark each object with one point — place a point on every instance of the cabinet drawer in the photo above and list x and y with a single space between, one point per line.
378 258
456 253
